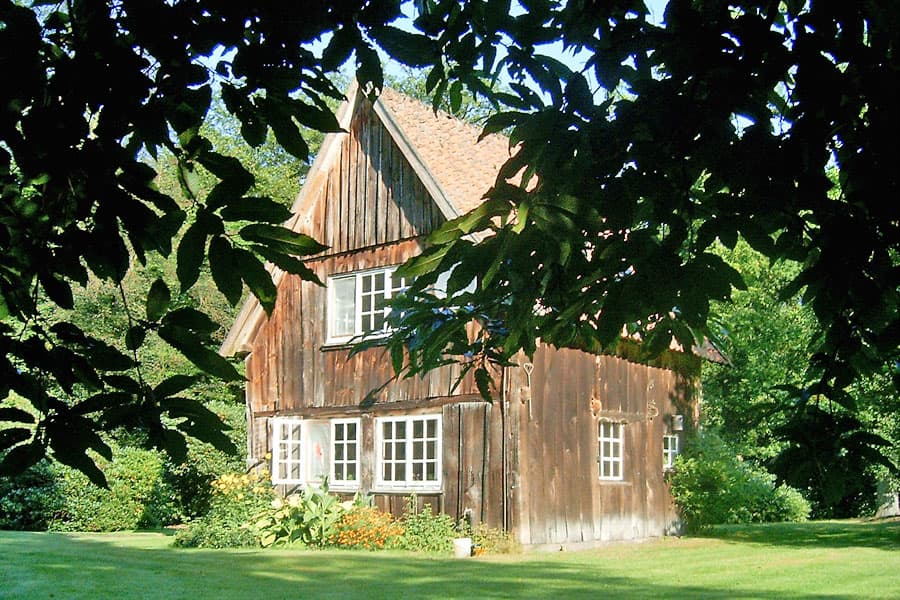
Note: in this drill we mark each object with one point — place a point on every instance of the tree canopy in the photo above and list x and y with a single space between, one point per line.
722 122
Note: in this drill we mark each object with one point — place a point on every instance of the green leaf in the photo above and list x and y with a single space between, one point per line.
190 255
102 402
20 458
12 436
339 47
192 320
316 117
134 337
16 415
224 269
193 349
174 385
281 238
261 210
158 299
58 290
412 49
483 382
257 279
289 264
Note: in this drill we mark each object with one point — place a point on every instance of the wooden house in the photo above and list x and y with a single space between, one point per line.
572 451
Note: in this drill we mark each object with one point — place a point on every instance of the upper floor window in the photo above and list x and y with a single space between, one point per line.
358 302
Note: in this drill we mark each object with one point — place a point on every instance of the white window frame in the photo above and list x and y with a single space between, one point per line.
333 481
408 461
611 435
299 468
282 447
670 450
390 291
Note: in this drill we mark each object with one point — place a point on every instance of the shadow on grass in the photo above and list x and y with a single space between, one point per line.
144 566
824 534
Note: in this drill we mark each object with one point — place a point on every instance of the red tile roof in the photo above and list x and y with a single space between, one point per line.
464 167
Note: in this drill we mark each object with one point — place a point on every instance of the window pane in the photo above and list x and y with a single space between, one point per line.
401 471
344 297
432 428
431 473
351 472
418 429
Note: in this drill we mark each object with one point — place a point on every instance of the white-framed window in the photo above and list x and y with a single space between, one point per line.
611 450
358 302
307 451
408 452
287 455
670 450
345 453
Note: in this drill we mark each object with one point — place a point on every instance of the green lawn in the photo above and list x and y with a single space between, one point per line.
844 559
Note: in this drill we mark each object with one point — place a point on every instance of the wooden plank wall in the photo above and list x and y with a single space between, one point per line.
371 196
562 497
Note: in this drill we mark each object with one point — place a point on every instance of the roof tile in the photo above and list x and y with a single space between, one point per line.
464 167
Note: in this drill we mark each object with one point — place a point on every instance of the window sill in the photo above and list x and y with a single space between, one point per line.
342 344
406 491
615 482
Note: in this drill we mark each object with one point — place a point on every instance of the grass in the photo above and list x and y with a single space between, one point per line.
839 559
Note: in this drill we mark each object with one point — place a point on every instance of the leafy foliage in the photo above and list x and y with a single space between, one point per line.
137 496
712 485
307 519
237 498
424 531
29 501
366 528
721 122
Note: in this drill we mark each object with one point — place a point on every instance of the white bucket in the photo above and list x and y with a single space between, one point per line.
462 547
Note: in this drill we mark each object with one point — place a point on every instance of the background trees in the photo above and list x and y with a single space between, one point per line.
720 124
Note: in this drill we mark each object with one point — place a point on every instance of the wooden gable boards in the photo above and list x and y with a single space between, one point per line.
367 187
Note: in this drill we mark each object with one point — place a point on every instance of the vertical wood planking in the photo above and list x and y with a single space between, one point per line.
374 214
450 470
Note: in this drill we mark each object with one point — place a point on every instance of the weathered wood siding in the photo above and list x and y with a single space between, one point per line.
370 196
371 210
530 466
562 498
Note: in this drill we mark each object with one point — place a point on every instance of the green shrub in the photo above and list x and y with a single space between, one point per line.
192 479
424 531
307 519
137 496
366 528
712 485
491 540
236 499
29 501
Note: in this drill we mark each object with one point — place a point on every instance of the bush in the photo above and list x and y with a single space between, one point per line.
306 519
29 501
137 496
712 485
490 540
366 528
192 479
236 499
424 531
